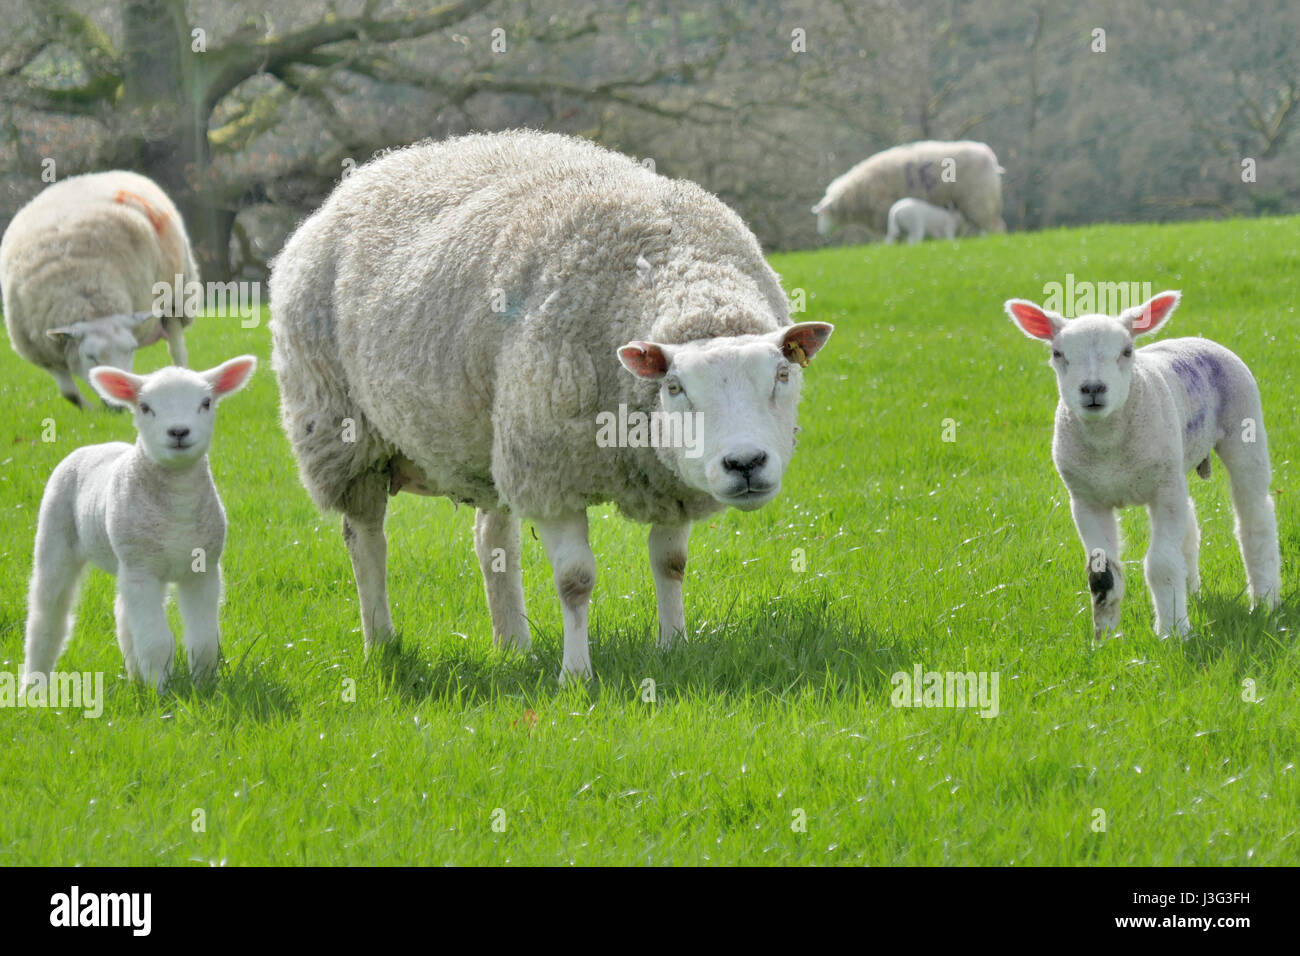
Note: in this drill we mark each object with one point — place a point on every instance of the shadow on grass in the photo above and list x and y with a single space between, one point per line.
780 653
1229 627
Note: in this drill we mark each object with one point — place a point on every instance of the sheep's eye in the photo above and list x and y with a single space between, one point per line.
674 388
783 373
145 409
1128 351
207 404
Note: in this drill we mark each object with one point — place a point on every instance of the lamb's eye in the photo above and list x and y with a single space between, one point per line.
1128 351
783 373
1057 353
674 388
145 409
207 404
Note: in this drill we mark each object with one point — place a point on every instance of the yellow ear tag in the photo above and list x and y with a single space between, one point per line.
795 353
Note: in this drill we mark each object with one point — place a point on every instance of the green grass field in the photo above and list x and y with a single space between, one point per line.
958 556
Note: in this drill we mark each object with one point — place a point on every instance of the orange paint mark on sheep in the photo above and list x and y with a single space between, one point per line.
156 219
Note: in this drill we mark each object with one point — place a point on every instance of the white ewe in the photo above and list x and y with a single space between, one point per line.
147 513
78 265
452 322
918 219
1130 425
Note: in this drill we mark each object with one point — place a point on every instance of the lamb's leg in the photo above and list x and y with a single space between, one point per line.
124 637
1166 568
1099 531
199 597
1192 549
175 332
53 589
365 504
496 542
668 562
68 387
574 569
142 595
1249 475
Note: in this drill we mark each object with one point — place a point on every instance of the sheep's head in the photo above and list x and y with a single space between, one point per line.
110 340
826 223
1093 354
736 399
174 407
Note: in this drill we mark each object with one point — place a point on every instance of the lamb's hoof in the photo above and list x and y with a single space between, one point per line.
576 676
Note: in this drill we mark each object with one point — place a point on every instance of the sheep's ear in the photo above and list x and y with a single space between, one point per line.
66 334
645 359
1151 314
231 375
115 386
799 343
1035 322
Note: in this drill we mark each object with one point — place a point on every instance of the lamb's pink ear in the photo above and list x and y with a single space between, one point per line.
645 359
117 387
1151 314
799 343
231 375
1035 322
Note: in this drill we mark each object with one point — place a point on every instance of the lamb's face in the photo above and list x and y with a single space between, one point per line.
98 342
174 407
1093 354
734 401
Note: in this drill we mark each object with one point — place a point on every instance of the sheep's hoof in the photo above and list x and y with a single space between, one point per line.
75 399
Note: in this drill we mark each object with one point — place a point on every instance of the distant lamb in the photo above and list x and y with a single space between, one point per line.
147 513
963 174
77 267
1130 425
917 219
459 318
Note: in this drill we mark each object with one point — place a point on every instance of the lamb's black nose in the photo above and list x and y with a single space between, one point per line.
1093 388
745 462
178 433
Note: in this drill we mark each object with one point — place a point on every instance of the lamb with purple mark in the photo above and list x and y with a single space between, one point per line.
1130 425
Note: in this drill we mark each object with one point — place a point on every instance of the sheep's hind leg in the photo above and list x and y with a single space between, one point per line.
51 596
1192 549
1099 530
668 562
574 569
1166 568
364 506
1249 475
497 544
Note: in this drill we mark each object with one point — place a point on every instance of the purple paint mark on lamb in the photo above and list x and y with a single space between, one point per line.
1196 420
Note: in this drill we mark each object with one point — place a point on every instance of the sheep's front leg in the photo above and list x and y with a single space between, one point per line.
574 569
174 330
141 599
199 596
1099 531
668 563
1166 567
68 387
496 542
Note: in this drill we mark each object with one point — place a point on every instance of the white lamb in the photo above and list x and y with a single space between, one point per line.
452 322
918 219
1130 425
147 513
78 265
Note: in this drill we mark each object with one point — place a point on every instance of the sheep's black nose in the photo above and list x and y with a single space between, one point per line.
745 462
1093 388
178 433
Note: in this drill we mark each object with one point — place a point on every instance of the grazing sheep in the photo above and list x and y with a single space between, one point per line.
78 265
147 513
1130 425
918 219
452 322
964 174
